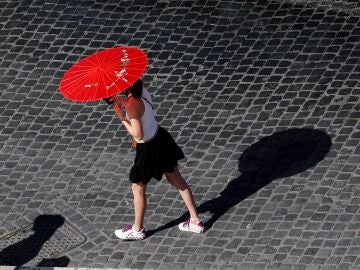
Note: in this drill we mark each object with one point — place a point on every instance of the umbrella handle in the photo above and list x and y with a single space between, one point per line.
108 100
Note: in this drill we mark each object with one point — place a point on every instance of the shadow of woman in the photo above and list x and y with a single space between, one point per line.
282 154
24 251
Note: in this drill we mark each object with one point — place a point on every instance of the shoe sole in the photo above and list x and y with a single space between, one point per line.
118 235
194 231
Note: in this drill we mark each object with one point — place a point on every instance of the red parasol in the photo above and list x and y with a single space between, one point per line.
103 74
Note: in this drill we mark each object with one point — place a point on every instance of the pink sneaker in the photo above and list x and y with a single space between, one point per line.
128 233
187 226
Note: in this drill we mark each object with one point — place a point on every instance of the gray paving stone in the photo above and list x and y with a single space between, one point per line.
227 77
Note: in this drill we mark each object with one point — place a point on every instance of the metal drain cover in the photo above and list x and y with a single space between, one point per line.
50 236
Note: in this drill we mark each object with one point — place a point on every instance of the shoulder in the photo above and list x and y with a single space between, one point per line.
135 107
146 93
134 102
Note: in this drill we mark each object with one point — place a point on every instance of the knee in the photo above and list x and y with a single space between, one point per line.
183 185
180 183
138 189
175 178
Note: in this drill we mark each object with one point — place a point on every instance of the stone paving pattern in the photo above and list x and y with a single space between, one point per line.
263 97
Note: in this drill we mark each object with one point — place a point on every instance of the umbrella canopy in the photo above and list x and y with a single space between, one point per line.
103 74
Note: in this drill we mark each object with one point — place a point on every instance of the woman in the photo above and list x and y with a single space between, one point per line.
156 154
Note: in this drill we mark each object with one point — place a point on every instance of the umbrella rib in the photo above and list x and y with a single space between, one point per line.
84 61
79 71
89 59
80 68
114 65
103 80
134 76
107 59
78 81
137 57
97 87
77 76
78 94
73 80
81 87
97 59
110 80
66 90
135 68
93 59
137 54
87 82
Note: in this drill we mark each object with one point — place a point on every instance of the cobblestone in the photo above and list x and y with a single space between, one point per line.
262 96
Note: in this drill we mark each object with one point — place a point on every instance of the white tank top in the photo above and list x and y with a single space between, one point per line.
148 121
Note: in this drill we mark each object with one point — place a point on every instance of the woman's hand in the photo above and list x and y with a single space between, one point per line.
133 124
119 100
119 103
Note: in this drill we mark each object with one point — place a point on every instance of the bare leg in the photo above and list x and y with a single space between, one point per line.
140 204
176 179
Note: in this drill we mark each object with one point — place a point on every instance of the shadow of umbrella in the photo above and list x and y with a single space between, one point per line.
55 262
282 154
24 251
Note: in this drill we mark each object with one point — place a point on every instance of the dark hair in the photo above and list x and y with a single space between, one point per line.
135 90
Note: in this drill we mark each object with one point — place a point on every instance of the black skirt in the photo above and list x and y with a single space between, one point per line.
155 157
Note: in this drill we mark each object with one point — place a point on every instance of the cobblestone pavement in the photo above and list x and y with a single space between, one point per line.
263 97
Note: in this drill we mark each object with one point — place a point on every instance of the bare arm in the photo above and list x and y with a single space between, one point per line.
133 125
